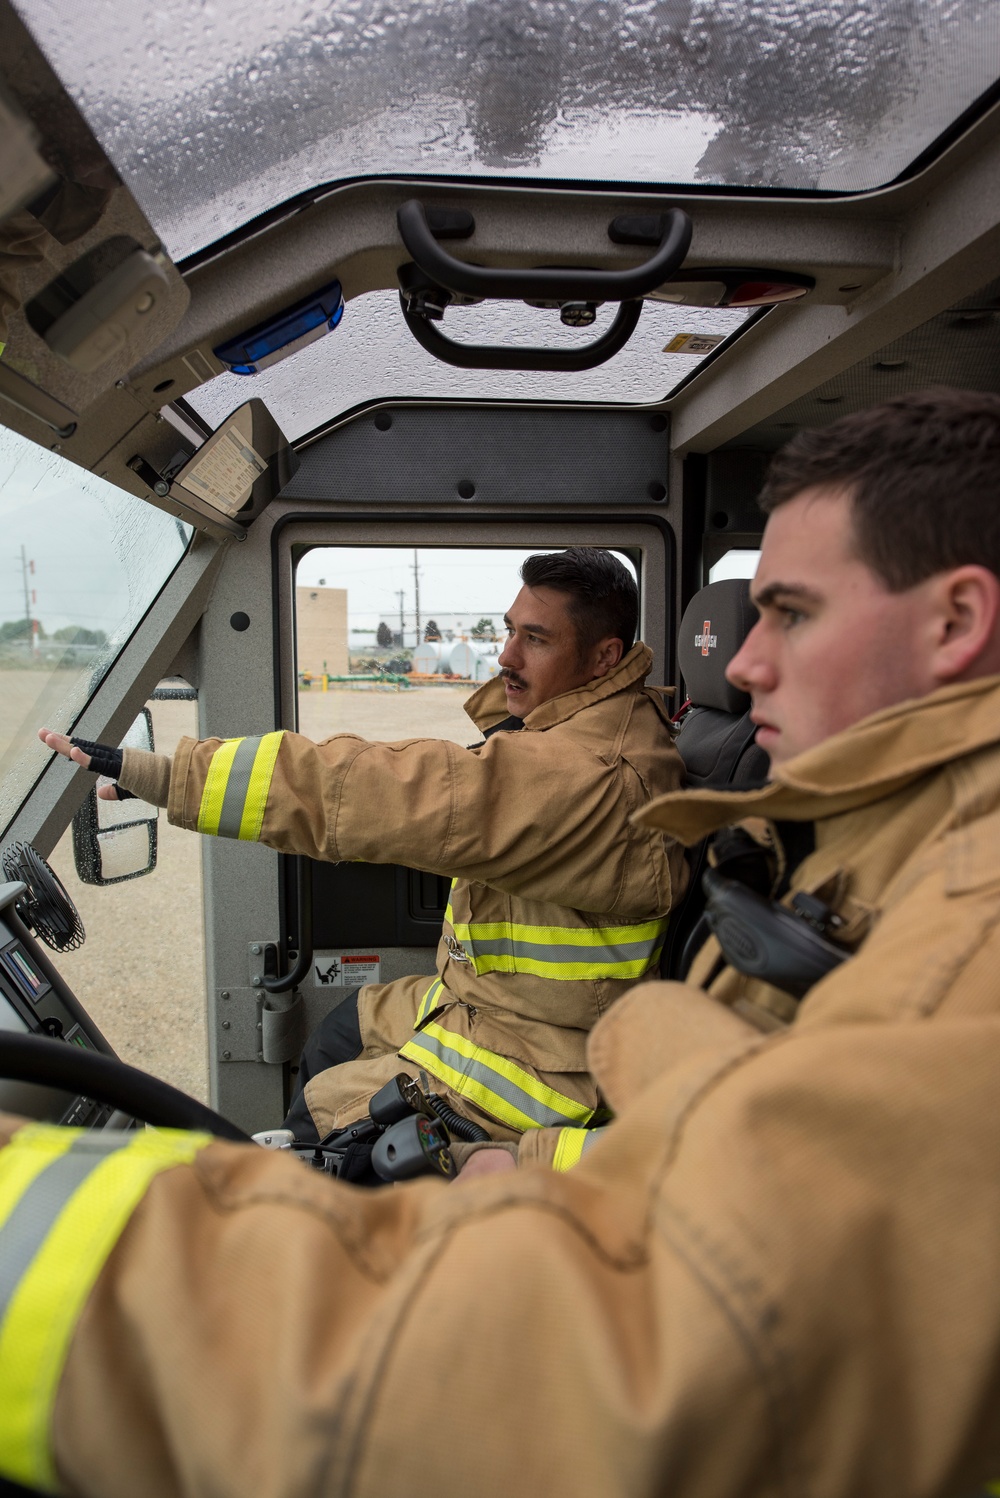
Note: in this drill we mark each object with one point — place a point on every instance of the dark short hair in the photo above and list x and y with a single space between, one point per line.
603 597
923 476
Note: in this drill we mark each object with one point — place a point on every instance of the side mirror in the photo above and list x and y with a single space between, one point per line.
116 840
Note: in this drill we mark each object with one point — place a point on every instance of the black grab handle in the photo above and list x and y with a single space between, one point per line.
494 356
282 982
559 285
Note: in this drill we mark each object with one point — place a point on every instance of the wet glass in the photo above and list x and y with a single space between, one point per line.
81 562
214 112
372 355
391 641
739 562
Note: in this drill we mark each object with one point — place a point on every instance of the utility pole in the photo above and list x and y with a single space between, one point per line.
402 626
29 624
416 591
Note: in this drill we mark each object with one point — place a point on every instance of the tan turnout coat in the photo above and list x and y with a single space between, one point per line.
776 1275
559 902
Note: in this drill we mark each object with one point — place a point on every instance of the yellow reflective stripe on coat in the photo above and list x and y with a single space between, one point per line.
572 1145
494 1083
429 1000
66 1195
239 776
566 952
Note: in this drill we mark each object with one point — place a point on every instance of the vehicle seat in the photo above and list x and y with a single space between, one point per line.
716 738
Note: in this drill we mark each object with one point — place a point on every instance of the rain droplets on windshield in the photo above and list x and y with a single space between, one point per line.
214 113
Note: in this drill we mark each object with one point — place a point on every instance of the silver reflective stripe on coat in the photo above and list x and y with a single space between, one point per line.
32 1219
237 786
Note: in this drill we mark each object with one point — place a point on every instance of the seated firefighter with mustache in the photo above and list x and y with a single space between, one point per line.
559 902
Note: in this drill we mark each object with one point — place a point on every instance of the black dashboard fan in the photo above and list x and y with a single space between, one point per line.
46 908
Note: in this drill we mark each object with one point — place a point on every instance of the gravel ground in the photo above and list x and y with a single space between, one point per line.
140 973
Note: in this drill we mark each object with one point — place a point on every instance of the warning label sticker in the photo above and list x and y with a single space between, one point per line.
346 970
694 343
226 473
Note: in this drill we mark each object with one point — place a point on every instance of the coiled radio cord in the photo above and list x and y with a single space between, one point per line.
462 1128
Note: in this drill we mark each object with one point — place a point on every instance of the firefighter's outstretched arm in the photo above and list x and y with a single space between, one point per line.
486 814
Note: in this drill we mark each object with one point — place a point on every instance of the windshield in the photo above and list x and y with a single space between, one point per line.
372 355
215 113
82 562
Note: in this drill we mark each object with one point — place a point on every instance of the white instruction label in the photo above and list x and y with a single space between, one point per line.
694 343
225 474
346 970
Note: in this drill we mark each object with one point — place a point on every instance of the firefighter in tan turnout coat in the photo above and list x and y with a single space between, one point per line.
559 902
775 1272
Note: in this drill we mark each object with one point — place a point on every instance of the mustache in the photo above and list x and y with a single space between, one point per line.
513 678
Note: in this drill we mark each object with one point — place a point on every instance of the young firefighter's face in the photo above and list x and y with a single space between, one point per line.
542 656
832 644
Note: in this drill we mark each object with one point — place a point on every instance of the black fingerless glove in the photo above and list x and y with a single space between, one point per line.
104 761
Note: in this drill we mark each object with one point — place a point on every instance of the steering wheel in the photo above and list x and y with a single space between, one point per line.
50 1063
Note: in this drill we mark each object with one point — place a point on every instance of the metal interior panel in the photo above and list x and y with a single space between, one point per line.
959 346
507 455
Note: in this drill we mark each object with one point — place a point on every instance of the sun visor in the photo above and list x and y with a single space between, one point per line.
237 471
87 291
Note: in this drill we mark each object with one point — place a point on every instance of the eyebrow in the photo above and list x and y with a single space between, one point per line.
778 592
529 629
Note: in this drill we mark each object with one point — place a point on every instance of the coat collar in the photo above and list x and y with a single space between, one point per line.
488 706
864 763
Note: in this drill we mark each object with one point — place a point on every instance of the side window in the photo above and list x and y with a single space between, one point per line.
82 562
739 562
391 641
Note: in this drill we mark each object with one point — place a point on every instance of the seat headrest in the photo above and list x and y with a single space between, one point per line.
715 624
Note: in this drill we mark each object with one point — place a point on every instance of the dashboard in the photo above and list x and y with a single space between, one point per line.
34 1000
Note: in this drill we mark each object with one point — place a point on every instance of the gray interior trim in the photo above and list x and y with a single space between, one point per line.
948 246
506 455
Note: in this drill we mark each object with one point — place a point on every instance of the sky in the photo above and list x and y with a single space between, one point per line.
100 555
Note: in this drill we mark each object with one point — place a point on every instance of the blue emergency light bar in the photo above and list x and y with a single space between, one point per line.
284 333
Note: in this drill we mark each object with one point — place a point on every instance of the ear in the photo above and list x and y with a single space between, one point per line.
967 625
606 656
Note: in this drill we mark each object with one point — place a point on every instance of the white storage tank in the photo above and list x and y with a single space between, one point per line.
473 662
427 659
